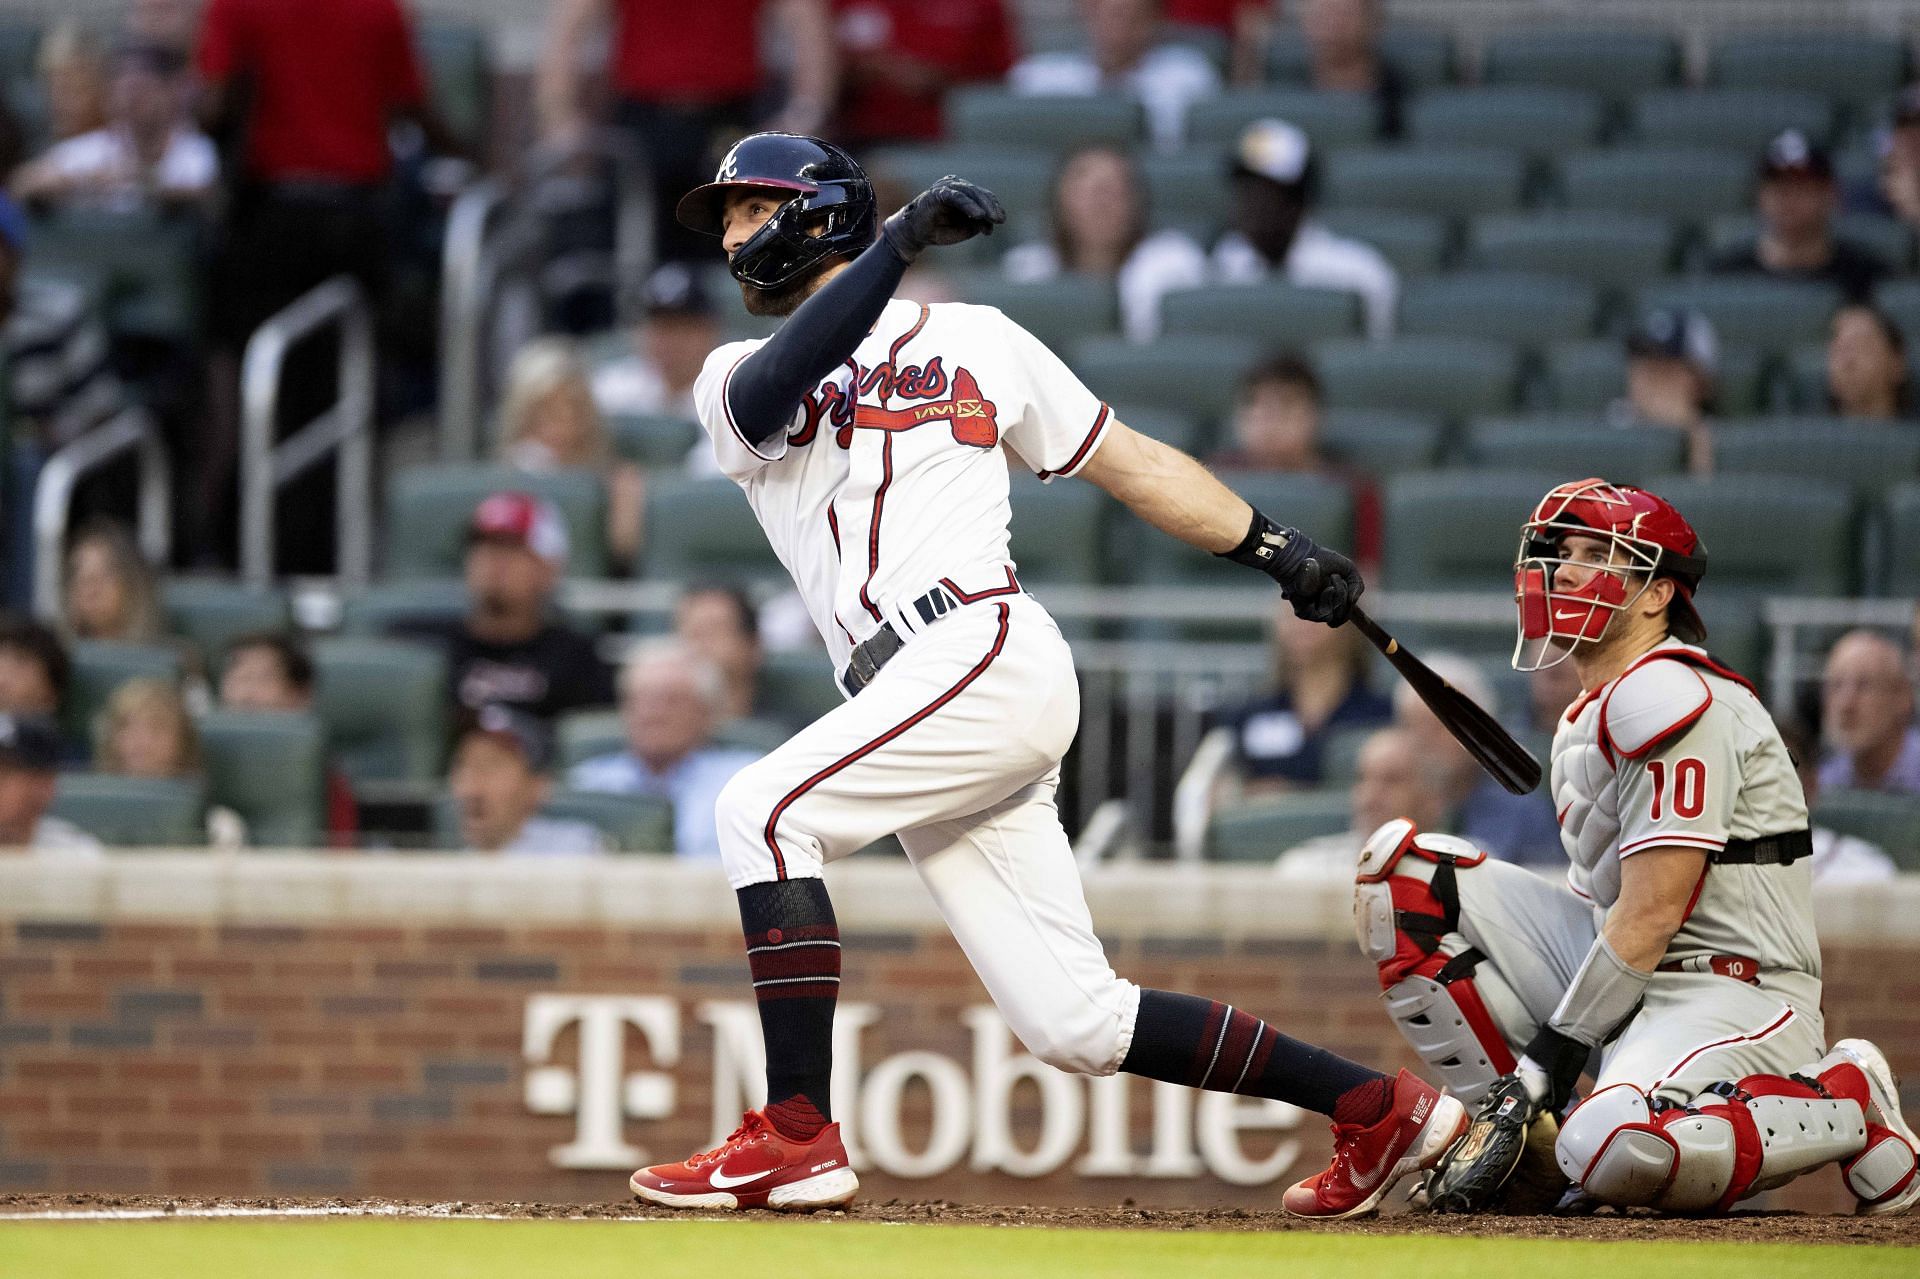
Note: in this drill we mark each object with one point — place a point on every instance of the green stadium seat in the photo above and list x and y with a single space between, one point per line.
1574 445
383 704
581 735
134 812
1329 118
700 528
385 606
1735 633
1536 120
1260 830
999 117
1340 756
458 68
19 49
1186 191
1022 179
1415 243
1059 531
1662 180
1901 300
1741 518
148 267
101 666
751 733
1281 314
1424 57
653 439
1310 502
797 685
1187 372
1903 541
1059 311
1184 431
1889 820
631 823
1609 62
1453 376
1507 306
1740 119
1458 181
1611 249
1753 310
1853 66
1868 457
270 768
213 612
1886 238
428 509
1380 441
1589 376
1456 530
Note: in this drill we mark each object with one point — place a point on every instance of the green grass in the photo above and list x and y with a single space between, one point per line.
366 1249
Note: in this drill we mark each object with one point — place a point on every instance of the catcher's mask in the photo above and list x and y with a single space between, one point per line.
1645 538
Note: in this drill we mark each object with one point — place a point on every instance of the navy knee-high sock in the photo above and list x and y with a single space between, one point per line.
793 950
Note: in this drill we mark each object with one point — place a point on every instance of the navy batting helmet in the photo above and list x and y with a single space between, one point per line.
830 191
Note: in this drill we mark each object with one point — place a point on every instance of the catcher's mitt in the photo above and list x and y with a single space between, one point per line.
1473 1175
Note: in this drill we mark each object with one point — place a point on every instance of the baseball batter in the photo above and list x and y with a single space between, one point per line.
1678 960
872 437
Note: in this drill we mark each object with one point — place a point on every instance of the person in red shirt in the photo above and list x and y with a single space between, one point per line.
899 57
686 78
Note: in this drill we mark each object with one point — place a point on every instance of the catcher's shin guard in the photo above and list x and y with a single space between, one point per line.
1448 1003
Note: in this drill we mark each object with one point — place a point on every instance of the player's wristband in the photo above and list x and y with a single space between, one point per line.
1560 1058
1273 549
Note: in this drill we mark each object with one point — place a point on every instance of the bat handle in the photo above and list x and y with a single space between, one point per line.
1371 629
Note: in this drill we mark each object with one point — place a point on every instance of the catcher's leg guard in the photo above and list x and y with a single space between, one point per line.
1447 1002
1885 1176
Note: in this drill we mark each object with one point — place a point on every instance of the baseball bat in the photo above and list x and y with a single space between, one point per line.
1493 747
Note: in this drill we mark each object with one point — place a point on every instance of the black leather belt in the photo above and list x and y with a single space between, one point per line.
878 648
1769 850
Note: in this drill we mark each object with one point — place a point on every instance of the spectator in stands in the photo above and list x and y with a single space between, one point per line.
1673 361
1867 375
900 57
35 674
1320 688
721 624
271 671
145 731
507 651
682 76
146 156
550 422
1343 49
1125 52
1274 177
1797 201
110 593
73 75
1099 229
166 24
500 781
1894 190
1837 858
671 697
669 350
1513 828
1247 25
1395 776
1867 721
29 764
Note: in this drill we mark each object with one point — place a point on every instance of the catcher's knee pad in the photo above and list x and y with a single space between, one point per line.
1448 1003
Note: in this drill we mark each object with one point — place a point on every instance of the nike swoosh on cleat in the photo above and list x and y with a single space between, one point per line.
1370 1178
721 1181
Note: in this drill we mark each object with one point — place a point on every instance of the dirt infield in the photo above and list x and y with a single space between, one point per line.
1745 1227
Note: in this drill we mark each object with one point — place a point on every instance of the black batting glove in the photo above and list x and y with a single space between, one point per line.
948 212
1322 585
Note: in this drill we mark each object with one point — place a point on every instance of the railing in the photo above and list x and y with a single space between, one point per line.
1792 621
345 429
132 430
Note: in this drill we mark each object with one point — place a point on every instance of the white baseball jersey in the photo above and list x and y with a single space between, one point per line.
1677 751
889 480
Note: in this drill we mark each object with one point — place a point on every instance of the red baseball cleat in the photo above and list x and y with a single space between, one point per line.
755 1168
1367 1162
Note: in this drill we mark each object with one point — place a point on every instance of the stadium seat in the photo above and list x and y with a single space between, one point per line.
1889 820
1456 377
1059 530
1853 66
1259 831
1536 120
1458 181
213 611
1424 57
1281 314
1187 372
1001 118
1752 310
1740 518
101 666
383 705
1868 457
428 509
1415 243
19 49
458 66
1609 62
1661 180
1740 119
1310 502
631 823
1506 306
1457 530
1329 118
1059 312
1611 249
377 609
653 439
1574 445
134 812
796 685
1380 441
1186 191
580 735
1184 431
147 267
1735 633
1022 179
1589 376
701 527
1340 756
270 768
1901 300
1903 541
1886 238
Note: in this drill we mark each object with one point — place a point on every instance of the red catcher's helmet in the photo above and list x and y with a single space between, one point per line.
1646 538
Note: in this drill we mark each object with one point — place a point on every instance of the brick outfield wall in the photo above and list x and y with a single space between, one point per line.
387 1059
